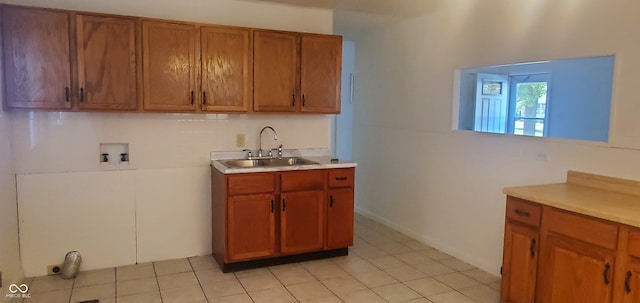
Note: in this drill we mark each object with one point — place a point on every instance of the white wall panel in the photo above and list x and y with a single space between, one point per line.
91 212
173 213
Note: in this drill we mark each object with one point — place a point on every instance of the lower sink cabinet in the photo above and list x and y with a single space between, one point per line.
266 216
251 227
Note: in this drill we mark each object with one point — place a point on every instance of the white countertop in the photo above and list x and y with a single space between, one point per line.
321 156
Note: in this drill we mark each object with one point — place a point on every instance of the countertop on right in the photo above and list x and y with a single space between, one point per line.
603 197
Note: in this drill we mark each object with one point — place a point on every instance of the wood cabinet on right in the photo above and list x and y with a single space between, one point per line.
629 267
577 258
297 72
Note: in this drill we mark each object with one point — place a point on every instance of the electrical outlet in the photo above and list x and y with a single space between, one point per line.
240 140
542 156
54 269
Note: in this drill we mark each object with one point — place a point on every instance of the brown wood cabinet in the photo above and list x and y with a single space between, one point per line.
68 60
575 272
251 227
258 216
521 252
226 69
303 212
169 66
296 72
107 65
340 209
554 256
185 73
37 58
631 282
49 65
320 73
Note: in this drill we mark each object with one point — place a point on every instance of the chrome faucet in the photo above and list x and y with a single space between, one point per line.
275 137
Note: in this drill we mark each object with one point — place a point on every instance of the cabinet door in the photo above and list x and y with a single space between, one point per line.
226 69
275 68
574 271
251 227
169 59
340 218
631 282
320 73
36 58
106 62
520 261
302 221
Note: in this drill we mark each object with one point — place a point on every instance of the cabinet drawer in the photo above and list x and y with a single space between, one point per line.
581 227
341 177
633 245
303 180
523 211
244 184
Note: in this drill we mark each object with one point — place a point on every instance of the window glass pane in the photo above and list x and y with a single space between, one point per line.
531 102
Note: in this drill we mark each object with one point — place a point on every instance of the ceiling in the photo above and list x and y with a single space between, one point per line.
353 16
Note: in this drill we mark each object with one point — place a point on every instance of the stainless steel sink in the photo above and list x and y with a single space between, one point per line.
274 162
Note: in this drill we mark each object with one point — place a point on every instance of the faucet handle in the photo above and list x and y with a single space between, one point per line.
249 156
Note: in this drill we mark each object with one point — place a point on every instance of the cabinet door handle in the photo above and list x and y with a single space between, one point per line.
605 274
532 248
82 94
341 178
193 97
522 213
66 94
272 206
293 98
204 98
627 282
304 100
330 200
284 205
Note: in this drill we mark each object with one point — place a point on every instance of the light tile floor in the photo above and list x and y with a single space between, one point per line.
383 266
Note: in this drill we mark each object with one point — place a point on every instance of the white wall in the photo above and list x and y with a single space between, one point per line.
444 186
162 200
9 249
343 123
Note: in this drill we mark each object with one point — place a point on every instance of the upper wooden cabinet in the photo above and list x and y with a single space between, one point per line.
107 71
275 72
184 73
76 61
320 73
36 58
296 72
44 70
169 66
226 69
